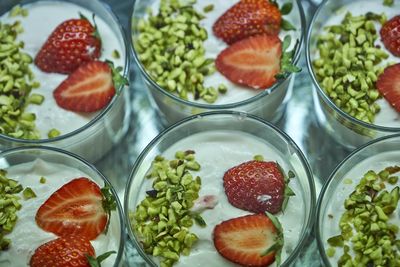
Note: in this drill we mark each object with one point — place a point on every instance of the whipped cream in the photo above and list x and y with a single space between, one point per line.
388 116
27 236
335 206
218 151
43 18
213 46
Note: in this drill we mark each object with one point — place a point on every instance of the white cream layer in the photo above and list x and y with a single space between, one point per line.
27 236
43 18
388 116
214 46
217 151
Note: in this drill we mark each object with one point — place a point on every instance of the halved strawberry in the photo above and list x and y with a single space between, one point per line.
256 186
87 89
388 84
390 35
66 251
252 62
72 43
77 208
248 18
245 240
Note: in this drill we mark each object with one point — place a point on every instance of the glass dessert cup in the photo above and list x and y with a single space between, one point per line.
107 126
268 104
344 128
51 162
236 122
338 187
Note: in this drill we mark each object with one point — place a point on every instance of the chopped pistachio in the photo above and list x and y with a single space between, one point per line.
53 133
349 64
28 193
36 99
170 47
42 180
163 218
9 204
208 8
115 54
366 224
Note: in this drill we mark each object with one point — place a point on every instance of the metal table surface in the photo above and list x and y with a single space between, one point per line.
299 122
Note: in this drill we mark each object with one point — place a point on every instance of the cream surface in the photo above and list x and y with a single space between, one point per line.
27 236
335 206
214 46
388 116
217 151
43 18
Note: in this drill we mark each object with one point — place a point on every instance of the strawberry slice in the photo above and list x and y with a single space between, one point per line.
390 35
66 251
252 62
79 207
87 89
248 18
256 186
388 84
248 240
72 43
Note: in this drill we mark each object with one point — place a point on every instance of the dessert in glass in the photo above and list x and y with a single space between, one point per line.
358 208
197 56
214 180
56 208
354 63
63 75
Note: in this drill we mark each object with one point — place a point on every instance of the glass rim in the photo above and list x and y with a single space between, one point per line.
322 93
304 236
194 104
320 242
81 160
105 110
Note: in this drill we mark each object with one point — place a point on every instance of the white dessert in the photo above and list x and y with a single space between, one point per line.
388 116
27 235
213 46
43 18
216 152
335 206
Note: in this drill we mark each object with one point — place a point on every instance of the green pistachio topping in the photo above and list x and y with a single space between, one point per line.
18 11
53 133
42 180
366 226
208 8
349 65
115 54
170 47
16 83
9 205
163 219
388 2
28 193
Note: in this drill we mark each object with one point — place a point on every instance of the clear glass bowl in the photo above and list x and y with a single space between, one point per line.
95 138
225 121
336 190
28 154
268 104
345 129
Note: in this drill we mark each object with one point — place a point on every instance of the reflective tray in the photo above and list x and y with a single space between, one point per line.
300 122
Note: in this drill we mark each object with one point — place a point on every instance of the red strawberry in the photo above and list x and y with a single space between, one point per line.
252 62
87 89
66 251
388 84
248 18
73 42
390 35
244 240
256 186
74 209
